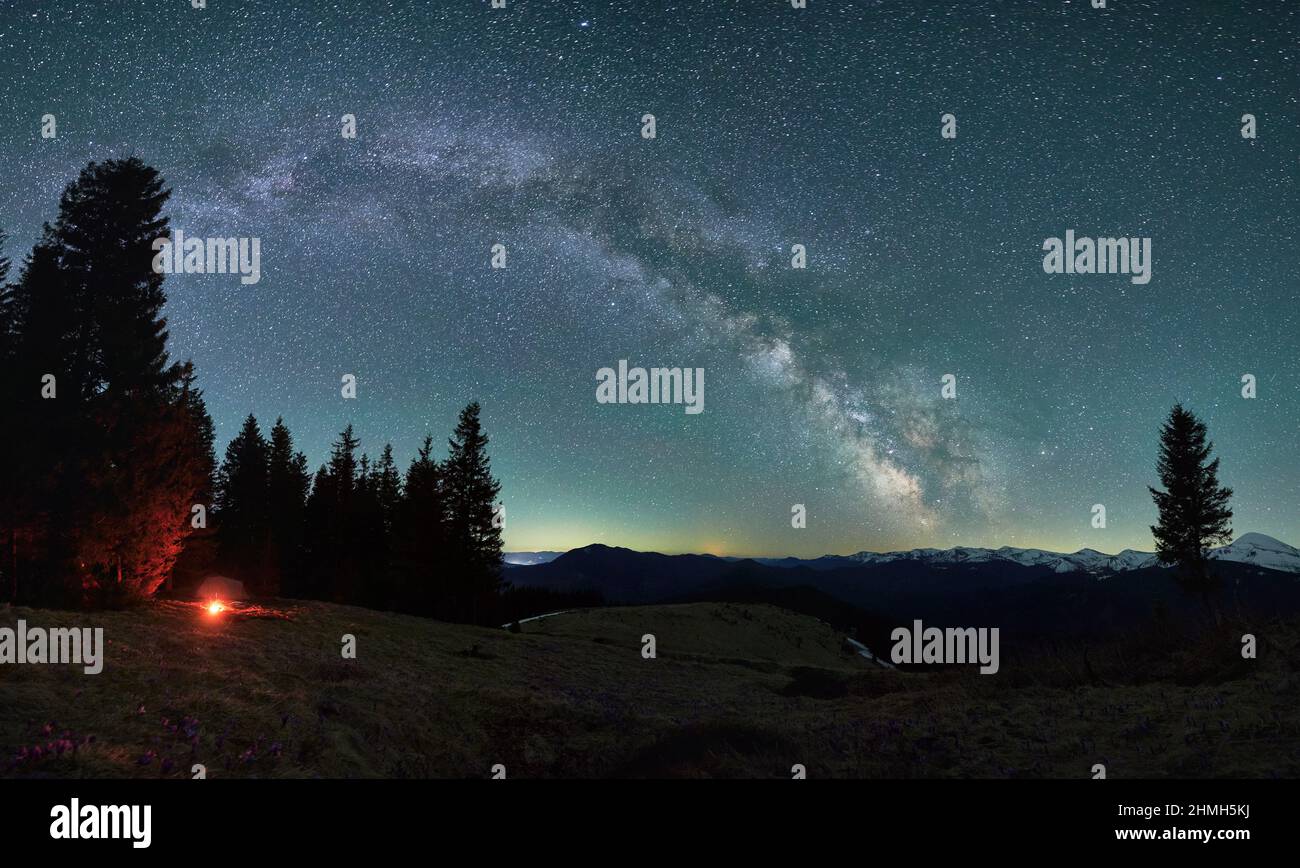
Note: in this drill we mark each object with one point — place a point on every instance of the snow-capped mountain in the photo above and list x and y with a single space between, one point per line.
1262 551
1251 548
1088 560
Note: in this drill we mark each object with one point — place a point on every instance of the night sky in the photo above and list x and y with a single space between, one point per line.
775 126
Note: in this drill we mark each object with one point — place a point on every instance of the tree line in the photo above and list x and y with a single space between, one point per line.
426 541
109 484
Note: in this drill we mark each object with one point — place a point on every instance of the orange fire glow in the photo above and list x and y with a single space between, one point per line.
215 608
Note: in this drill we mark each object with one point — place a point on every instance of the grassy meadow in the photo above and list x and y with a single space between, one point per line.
735 691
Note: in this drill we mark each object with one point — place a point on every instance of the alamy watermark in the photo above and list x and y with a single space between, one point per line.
54 645
922 644
1099 256
656 386
130 822
181 255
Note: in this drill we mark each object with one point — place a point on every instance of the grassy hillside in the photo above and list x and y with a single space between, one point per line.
736 690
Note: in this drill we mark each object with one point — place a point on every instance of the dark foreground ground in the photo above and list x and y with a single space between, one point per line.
736 691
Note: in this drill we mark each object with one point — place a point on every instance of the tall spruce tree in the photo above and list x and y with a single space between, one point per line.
288 485
243 509
1193 507
387 485
99 507
419 564
312 581
344 464
386 494
108 221
370 541
336 526
475 535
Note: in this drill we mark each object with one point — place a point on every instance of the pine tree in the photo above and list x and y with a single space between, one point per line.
343 465
243 509
288 485
108 221
419 539
388 485
99 508
336 527
369 538
386 493
1193 507
475 536
316 553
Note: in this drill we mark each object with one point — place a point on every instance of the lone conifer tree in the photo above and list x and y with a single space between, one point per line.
1194 513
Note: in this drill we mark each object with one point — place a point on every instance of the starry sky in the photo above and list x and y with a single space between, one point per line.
775 126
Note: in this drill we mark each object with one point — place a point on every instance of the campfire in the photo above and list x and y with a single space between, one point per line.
218 610
224 601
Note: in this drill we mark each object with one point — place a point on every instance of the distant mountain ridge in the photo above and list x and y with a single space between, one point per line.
1256 549
1027 592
